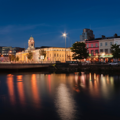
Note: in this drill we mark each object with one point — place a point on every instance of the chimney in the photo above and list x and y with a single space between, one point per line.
115 35
103 36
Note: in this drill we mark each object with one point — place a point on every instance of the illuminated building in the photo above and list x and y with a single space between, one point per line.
52 53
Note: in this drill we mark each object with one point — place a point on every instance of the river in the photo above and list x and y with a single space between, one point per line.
84 96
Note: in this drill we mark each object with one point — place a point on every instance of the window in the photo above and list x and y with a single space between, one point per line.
91 45
101 50
100 44
110 50
96 45
106 51
92 52
50 55
110 43
116 42
105 43
57 55
87 45
54 55
60 55
96 51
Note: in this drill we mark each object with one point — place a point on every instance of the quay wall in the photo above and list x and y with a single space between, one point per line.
23 66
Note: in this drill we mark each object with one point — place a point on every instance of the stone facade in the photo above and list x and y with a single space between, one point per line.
52 53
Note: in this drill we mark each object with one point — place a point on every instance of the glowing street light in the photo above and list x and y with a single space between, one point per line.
65 35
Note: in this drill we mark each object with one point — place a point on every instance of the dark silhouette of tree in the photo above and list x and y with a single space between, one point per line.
79 50
17 58
115 50
11 57
29 55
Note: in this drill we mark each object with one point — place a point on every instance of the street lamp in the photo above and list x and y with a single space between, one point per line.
65 35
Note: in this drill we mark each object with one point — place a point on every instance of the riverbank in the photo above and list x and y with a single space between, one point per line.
58 68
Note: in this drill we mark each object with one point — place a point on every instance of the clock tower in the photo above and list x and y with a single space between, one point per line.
31 43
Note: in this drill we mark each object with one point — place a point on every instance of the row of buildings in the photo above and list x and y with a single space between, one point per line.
100 48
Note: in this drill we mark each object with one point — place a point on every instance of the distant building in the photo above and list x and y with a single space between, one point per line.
6 51
86 35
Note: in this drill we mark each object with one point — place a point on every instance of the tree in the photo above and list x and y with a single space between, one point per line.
42 52
17 58
115 50
79 50
29 55
11 57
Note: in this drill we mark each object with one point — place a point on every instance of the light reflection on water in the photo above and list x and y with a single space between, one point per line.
64 103
10 84
58 92
20 89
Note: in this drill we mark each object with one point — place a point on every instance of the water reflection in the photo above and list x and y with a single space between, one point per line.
64 103
20 89
35 90
72 92
10 84
49 83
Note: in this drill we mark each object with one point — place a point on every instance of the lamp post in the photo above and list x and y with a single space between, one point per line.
65 35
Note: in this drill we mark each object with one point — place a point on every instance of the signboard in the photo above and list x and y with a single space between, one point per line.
104 56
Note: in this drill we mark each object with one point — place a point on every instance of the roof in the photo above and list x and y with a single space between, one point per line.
103 38
47 47
31 38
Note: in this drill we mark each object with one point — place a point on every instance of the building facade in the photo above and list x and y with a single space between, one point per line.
100 49
52 54
6 51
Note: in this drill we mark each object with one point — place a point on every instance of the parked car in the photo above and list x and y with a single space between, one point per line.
113 63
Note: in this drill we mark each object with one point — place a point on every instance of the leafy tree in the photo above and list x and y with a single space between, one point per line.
11 57
42 52
29 55
79 50
17 58
115 50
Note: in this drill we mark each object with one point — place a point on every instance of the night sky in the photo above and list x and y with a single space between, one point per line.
46 20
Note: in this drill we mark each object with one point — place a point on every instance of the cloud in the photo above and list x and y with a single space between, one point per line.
15 28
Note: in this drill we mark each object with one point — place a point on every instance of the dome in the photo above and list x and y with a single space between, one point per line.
31 38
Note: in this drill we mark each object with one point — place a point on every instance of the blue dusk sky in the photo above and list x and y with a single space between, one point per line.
46 20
